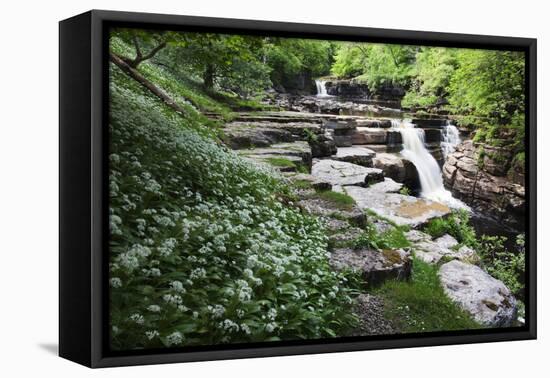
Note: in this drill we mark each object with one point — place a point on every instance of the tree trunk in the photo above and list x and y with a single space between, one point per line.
132 72
208 76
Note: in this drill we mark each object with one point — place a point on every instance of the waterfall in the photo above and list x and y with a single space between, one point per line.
321 88
450 138
429 173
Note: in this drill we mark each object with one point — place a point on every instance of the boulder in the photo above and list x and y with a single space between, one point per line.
397 168
376 266
322 145
487 299
343 173
401 209
356 155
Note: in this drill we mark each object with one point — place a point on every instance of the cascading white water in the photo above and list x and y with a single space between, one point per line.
429 173
321 88
450 139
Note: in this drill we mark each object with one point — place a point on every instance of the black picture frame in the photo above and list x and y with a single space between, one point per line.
83 108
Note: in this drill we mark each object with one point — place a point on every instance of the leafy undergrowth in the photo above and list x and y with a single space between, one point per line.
392 238
202 250
420 305
457 225
187 93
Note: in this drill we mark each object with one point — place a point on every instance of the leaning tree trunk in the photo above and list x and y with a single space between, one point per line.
132 72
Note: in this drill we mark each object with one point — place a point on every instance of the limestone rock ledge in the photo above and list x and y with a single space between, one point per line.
472 177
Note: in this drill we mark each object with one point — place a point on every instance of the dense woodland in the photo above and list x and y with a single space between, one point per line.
207 248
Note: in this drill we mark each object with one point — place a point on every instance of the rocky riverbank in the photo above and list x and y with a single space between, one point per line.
357 157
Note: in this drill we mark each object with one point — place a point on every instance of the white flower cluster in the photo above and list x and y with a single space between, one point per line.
201 228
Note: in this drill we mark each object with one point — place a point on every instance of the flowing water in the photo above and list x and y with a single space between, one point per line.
450 139
321 88
429 173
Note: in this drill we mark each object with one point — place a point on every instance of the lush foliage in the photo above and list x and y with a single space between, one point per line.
205 256
376 64
392 238
489 87
431 75
457 225
421 305
294 62
503 264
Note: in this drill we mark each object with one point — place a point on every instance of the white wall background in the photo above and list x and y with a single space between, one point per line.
29 189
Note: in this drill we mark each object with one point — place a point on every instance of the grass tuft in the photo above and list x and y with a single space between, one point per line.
420 305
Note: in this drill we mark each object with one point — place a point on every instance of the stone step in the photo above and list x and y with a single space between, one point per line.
356 155
343 173
298 153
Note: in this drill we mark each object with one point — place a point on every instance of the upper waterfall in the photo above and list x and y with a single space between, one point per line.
321 88
450 139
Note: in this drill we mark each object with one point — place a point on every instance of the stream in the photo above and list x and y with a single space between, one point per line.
429 171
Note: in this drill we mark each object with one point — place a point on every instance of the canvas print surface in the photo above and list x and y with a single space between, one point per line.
266 189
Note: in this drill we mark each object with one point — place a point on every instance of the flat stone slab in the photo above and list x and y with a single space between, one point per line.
487 299
399 208
297 152
432 251
376 266
387 186
324 208
356 155
343 173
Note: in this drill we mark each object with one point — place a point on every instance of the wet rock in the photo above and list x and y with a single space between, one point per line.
401 209
487 299
376 266
342 173
356 155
